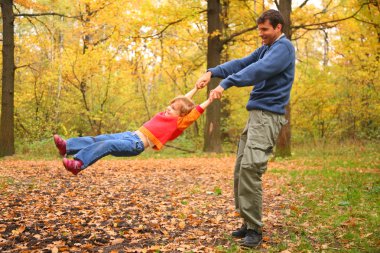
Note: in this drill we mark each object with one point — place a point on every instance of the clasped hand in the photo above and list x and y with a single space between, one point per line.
203 81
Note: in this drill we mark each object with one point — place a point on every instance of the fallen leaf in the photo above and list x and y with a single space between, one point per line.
59 243
117 241
182 225
3 227
3 241
18 231
37 236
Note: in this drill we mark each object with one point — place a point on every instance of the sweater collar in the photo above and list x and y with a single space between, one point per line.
279 37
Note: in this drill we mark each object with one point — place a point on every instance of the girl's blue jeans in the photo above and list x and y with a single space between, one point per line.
90 149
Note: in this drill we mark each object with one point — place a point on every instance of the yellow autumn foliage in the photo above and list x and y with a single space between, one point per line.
109 66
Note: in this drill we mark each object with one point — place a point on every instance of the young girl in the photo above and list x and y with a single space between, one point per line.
164 126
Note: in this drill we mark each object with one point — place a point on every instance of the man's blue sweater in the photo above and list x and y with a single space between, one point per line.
269 68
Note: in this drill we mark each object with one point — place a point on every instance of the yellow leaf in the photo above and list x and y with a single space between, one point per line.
117 241
182 225
18 230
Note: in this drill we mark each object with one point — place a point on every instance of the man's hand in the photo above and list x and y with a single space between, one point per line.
208 102
203 80
217 92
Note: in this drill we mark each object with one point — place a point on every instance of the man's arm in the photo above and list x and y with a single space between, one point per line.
231 67
227 68
275 61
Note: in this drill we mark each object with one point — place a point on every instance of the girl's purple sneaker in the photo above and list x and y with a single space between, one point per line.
74 166
60 144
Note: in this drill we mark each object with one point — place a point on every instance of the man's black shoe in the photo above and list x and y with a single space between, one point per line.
252 239
241 232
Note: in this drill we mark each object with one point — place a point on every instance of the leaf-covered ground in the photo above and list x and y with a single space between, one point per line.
167 205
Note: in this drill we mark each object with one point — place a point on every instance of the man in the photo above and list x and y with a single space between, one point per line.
270 69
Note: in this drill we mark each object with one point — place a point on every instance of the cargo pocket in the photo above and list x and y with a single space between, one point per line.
257 149
255 158
259 132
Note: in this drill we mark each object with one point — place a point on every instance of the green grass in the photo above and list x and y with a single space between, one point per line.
346 154
341 210
330 210
4 182
333 195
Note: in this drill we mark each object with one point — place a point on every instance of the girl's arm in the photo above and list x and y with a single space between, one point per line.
188 119
206 103
191 93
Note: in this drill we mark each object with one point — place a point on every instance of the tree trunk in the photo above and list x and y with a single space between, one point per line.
283 148
212 134
59 88
8 74
285 8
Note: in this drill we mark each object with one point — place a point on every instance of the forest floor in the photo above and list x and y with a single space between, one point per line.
184 205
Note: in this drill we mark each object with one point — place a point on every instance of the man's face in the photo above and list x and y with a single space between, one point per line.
269 34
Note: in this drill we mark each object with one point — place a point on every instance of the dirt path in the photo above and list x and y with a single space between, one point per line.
171 205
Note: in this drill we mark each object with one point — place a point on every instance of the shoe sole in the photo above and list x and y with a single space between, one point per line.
238 237
251 246
74 171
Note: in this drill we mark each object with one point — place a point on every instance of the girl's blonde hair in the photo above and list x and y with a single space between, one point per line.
186 105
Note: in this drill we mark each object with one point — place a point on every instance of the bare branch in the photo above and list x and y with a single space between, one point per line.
303 4
60 14
105 38
324 9
326 23
31 22
327 26
299 37
367 22
45 14
25 66
232 36
100 8
159 34
30 66
43 24
277 4
182 149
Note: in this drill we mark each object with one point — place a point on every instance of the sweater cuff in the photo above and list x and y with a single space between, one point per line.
214 72
226 84
199 109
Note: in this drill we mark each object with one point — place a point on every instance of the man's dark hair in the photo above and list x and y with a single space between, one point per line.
273 16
